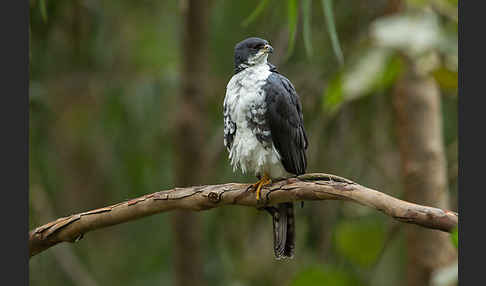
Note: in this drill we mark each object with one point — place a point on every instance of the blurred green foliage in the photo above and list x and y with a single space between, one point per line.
292 17
258 10
42 8
360 241
455 237
325 275
306 29
447 79
361 79
327 6
104 81
333 95
292 22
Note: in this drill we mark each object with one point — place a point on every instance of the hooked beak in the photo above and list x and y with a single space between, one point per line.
268 49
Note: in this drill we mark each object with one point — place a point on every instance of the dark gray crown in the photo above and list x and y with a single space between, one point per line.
246 49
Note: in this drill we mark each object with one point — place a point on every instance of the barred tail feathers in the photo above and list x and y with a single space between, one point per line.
283 230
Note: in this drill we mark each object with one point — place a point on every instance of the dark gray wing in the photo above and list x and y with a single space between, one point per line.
229 128
284 116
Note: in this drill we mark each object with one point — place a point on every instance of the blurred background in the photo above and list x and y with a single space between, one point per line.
126 99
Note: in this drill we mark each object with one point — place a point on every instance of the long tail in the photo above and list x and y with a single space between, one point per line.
283 230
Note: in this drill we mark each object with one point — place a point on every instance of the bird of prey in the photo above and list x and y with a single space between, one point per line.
264 130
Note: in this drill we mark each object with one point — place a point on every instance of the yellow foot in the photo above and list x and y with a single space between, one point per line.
265 180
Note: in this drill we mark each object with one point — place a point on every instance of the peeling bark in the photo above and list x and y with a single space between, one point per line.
198 198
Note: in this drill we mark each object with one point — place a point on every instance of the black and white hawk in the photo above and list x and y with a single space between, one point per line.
264 130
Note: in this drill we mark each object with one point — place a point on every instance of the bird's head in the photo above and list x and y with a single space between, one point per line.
251 51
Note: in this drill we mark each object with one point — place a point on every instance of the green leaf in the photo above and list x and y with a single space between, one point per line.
331 29
375 71
446 78
390 73
455 237
360 241
307 31
43 10
292 12
324 275
333 94
258 10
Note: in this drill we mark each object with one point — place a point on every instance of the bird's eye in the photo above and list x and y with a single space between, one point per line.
259 46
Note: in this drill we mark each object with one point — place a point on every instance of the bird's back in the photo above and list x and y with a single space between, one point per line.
285 118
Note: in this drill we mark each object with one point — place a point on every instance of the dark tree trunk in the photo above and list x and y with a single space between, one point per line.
419 126
189 142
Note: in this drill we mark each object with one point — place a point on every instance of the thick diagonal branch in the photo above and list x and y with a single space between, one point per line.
305 187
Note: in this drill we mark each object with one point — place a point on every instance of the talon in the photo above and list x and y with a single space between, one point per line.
265 180
258 190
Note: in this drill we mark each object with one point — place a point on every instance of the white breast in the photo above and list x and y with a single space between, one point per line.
244 89
243 92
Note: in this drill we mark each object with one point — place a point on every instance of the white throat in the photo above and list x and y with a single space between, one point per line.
259 58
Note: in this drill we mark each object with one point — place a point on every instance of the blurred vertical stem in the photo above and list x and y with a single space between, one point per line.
307 29
189 140
258 10
292 13
331 28
43 10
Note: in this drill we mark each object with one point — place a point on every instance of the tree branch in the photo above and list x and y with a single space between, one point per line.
305 187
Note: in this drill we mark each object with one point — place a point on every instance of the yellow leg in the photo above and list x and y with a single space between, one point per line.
265 180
